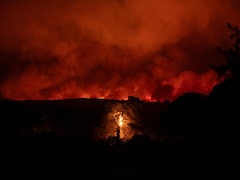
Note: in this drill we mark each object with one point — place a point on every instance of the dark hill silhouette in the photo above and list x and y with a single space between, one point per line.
223 111
185 117
72 118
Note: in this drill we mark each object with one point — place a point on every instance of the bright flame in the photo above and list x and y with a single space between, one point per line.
120 120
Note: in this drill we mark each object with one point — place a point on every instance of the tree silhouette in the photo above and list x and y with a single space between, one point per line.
222 111
231 56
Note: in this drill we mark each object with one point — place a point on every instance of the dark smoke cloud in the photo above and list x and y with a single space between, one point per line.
111 48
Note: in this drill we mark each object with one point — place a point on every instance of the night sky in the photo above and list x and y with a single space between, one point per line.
154 49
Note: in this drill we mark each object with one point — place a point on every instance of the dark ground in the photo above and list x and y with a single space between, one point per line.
73 154
46 158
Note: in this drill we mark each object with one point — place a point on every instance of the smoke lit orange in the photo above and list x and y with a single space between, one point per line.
153 50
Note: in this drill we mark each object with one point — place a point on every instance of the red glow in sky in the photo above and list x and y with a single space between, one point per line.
154 49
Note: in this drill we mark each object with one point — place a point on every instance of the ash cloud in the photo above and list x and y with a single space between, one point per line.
111 49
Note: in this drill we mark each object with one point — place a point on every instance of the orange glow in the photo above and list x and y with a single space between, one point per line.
119 116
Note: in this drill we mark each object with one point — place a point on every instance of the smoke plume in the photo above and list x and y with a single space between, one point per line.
154 49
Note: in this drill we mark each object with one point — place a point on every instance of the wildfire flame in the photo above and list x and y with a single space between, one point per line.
120 120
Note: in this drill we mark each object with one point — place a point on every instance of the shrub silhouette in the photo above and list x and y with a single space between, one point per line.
231 56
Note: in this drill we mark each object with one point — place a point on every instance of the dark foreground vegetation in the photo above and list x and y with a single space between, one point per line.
45 156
